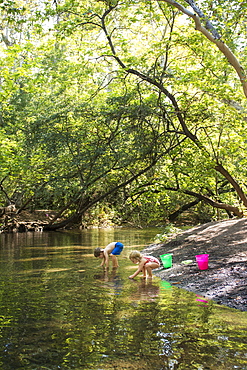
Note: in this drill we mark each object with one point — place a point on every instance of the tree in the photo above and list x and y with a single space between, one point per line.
103 116
155 71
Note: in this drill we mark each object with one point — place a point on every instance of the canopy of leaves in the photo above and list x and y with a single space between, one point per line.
122 104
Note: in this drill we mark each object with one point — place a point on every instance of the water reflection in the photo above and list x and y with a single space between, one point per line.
145 290
60 310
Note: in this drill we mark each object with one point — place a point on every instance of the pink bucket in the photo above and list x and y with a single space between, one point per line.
202 261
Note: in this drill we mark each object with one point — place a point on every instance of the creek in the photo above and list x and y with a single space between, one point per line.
60 310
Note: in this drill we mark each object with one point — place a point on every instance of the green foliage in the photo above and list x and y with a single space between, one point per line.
76 122
169 231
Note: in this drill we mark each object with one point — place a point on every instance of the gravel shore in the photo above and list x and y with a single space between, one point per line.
225 280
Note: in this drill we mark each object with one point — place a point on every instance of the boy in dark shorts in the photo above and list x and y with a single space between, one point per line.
113 249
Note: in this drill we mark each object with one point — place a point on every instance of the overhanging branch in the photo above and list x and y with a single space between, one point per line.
211 37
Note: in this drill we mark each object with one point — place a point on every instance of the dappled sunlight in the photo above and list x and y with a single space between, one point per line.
87 255
71 247
68 254
130 267
48 247
135 246
30 259
200 238
51 270
40 246
57 248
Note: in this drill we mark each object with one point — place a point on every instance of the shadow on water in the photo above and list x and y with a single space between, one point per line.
60 310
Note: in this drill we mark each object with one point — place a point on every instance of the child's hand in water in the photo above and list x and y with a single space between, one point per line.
131 277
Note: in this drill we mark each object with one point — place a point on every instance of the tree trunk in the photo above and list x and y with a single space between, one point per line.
219 168
172 217
226 207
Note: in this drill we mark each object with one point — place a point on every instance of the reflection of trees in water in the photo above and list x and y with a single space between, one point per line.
146 290
76 321
106 274
151 329
112 280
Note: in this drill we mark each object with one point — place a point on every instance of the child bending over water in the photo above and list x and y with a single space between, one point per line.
113 249
146 264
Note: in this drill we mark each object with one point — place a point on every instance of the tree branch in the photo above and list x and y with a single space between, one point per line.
220 44
226 207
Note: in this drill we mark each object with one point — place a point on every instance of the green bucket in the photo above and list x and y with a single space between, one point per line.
166 259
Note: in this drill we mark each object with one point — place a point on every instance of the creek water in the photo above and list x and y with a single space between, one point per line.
60 310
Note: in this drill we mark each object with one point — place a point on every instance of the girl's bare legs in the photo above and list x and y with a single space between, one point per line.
150 266
144 271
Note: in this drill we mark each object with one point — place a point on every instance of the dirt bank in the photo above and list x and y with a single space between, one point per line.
225 281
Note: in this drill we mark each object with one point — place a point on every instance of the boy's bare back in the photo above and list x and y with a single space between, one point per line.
112 249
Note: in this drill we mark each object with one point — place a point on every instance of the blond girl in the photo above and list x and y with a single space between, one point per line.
146 264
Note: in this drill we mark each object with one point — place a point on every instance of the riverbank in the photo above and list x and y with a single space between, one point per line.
225 280
12 222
